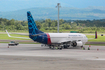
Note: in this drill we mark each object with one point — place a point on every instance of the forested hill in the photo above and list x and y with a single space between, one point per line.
51 13
51 25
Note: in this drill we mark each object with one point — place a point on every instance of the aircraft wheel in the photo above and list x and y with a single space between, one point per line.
52 48
60 48
65 47
81 46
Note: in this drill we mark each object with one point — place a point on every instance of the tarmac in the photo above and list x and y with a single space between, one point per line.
35 57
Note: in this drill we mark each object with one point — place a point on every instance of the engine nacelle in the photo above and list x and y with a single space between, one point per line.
78 43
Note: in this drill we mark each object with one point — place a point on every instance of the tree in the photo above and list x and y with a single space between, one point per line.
38 24
74 25
19 27
44 24
11 22
48 21
53 24
66 26
2 25
61 21
24 23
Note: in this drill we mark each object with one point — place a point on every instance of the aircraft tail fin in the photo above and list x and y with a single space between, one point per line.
32 25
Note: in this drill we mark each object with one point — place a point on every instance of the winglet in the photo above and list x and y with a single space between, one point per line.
8 33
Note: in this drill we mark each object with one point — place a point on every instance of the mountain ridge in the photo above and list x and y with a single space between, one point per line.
51 13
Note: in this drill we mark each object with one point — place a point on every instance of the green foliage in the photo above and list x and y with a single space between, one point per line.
48 21
38 24
82 26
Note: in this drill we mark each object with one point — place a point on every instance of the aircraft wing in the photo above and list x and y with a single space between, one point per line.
64 41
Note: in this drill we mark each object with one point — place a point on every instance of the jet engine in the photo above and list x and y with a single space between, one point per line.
76 43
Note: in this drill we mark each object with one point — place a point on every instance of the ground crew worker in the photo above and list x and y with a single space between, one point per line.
88 48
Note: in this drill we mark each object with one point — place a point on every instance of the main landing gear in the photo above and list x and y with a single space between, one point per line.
53 47
66 46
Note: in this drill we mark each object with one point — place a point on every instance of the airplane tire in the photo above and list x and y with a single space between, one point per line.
52 48
60 48
65 47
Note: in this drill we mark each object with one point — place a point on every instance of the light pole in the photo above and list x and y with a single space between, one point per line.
58 6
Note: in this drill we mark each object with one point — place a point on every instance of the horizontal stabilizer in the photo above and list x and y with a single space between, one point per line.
15 37
37 34
20 34
8 33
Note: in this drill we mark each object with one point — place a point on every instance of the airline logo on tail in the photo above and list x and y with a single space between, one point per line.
31 24
34 32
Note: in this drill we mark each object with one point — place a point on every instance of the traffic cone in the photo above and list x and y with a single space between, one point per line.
97 49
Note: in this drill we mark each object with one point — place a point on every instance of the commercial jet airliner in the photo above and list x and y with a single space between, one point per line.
54 39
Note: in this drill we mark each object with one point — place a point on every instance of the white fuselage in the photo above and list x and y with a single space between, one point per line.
64 37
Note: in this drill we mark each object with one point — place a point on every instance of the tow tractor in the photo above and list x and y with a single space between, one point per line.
13 43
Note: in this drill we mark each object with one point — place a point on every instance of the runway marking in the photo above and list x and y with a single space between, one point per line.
99 59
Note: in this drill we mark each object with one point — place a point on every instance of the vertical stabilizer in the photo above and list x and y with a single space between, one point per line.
32 25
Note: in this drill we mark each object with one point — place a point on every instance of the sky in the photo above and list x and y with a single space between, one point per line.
13 5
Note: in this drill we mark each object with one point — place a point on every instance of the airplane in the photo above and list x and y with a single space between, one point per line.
60 40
